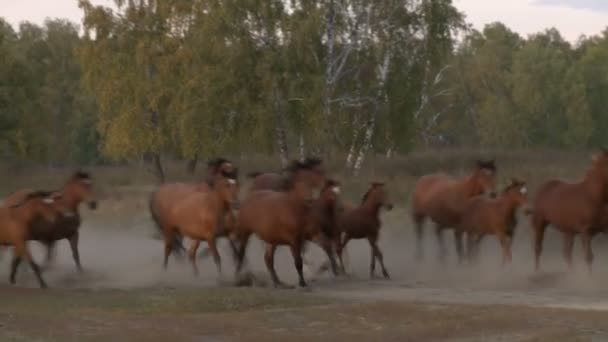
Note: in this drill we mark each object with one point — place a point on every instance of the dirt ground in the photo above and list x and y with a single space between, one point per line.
124 295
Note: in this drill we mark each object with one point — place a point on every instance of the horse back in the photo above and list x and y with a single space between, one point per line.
267 181
565 204
16 197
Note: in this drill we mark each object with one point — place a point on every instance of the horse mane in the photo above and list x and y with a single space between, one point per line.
514 184
253 174
330 183
489 165
33 195
373 186
79 174
217 162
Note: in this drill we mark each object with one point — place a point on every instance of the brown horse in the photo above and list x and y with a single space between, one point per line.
199 216
15 221
496 216
363 222
77 189
321 226
280 181
441 198
572 208
163 199
279 218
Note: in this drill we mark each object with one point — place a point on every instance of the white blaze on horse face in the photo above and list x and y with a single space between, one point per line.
523 190
488 172
48 200
336 190
87 181
231 181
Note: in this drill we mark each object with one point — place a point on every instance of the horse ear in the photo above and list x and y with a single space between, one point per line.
377 184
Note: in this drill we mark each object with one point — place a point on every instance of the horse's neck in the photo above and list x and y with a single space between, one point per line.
468 186
220 204
507 205
69 199
590 183
372 207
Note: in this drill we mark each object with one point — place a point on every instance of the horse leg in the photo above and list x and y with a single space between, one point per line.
458 241
269 260
586 237
476 246
441 243
419 225
216 255
74 247
21 251
568 246
504 243
192 255
373 241
326 245
243 239
50 254
169 241
14 266
340 250
470 241
296 251
539 235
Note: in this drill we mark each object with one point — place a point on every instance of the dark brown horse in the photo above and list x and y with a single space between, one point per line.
441 198
163 199
572 208
280 181
15 222
199 216
494 216
279 218
363 222
77 189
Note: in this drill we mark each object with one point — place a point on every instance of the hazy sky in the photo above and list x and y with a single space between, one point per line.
571 17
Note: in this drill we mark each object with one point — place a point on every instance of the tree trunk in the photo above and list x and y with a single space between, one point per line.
371 124
365 146
191 166
155 165
302 147
350 157
280 128
329 73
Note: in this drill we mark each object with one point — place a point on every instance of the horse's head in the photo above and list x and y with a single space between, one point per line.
484 177
309 170
377 195
79 188
517 191
39 203
226 185
218 165
331 191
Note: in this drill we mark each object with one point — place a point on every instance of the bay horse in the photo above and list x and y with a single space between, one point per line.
441 198
494 216
76 190
162 200
15 221
280 181
363 222
322 221
199 216
572 208
279 218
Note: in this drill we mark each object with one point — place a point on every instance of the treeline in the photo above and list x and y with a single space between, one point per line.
149 79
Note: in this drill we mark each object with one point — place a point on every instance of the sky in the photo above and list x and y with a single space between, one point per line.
571 17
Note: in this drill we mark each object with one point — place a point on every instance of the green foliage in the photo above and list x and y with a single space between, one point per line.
193 78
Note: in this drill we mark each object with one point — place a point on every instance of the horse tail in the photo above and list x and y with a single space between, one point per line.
178 246
253 174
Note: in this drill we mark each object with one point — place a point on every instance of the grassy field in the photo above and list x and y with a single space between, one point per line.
263 315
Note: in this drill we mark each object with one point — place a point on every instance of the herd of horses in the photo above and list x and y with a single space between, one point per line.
301 204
